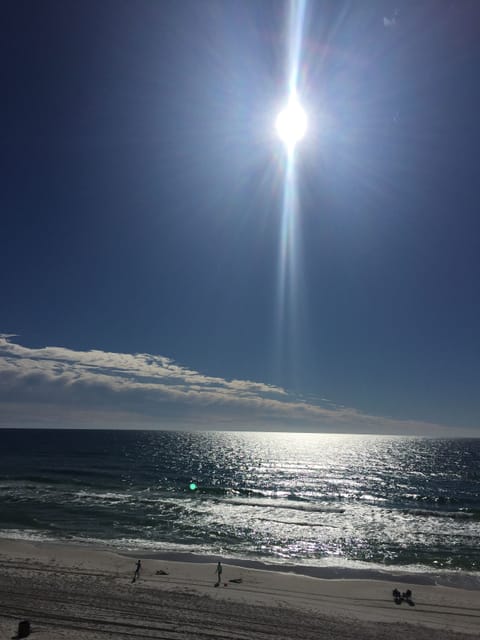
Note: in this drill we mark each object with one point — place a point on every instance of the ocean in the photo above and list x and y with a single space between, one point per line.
344 503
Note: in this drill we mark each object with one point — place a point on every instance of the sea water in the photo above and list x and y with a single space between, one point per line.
314 500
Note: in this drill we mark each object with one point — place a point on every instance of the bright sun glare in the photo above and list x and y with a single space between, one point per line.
291 123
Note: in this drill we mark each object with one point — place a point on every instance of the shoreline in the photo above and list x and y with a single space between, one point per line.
456 579
90 583
413 574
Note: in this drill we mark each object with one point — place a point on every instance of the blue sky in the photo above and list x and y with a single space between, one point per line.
142 212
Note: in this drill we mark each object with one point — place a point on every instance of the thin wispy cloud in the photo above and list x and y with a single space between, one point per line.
391 22
57 386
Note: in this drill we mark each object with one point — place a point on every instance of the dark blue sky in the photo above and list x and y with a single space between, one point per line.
142 193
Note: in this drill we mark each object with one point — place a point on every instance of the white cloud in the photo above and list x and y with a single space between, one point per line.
389 22
105 389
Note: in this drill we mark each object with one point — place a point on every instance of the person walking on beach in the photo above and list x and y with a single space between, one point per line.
218 571
136 575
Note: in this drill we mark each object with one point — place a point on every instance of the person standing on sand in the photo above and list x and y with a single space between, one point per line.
218 571
137 570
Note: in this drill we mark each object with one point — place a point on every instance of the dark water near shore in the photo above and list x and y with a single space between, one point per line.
318 500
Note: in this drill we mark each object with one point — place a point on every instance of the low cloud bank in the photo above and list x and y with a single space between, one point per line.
59 387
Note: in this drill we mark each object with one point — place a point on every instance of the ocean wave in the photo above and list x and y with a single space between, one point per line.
28 535
297 523
282 505
246 493
429 513
106 496
430 499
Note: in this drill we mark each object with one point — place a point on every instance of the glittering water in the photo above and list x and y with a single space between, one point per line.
334 500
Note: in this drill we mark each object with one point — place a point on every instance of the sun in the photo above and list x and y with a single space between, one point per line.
291 123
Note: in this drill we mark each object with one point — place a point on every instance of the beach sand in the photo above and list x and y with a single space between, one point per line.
83 593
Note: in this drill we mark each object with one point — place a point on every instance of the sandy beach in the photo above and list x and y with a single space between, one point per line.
87 594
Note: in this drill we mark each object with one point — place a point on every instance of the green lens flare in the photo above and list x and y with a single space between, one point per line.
192 486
